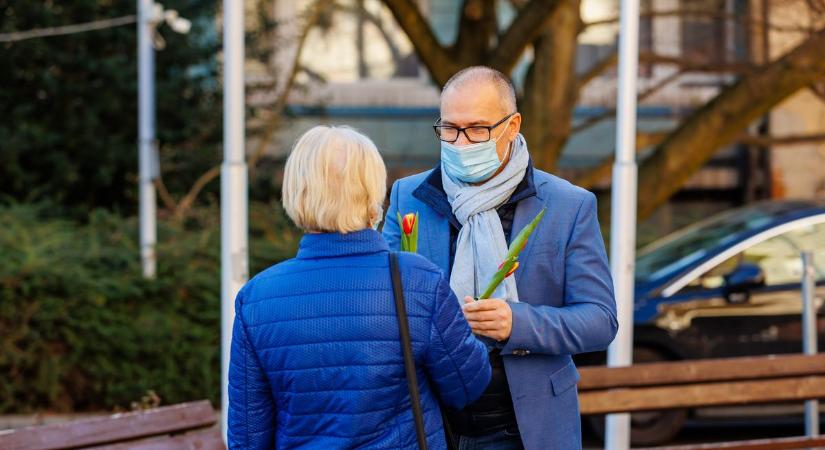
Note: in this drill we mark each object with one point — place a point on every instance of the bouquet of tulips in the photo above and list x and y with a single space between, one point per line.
409 232
510 264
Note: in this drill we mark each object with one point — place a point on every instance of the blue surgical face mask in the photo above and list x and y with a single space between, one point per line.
472 163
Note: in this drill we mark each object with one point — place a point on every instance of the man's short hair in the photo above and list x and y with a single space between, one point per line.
334 181
489 75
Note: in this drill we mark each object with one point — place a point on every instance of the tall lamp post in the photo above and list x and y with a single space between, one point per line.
623 211
150 15
234 259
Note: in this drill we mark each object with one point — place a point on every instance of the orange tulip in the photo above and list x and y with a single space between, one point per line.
408 223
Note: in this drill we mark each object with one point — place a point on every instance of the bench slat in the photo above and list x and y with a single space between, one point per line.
758 444
197 440
776 390
117 427
698 371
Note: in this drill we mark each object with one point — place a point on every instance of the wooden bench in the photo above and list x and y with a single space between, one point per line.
183 426
702 383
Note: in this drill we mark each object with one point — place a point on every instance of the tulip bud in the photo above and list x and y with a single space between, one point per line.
408 223
409 231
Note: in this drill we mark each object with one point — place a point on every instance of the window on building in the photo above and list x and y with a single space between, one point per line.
715 31
359 40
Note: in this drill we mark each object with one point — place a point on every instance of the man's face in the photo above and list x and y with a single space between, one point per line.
479 104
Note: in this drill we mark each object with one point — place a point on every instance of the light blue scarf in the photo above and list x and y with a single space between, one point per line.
481 245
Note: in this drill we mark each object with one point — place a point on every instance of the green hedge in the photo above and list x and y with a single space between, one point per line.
81 330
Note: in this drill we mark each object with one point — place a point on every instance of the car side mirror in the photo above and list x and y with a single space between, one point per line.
741 281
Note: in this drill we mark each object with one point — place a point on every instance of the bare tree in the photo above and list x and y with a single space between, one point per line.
262 49
550 28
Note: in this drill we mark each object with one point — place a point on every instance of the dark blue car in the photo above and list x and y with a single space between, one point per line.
724 287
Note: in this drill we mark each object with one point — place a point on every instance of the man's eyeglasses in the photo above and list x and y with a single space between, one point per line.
474 134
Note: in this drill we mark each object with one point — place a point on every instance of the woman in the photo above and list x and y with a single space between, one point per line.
316 356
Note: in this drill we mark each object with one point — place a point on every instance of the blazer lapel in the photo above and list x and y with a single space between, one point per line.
438 242
435 220
526 211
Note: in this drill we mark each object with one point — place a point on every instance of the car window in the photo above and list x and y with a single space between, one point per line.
685 247
779 257
810 238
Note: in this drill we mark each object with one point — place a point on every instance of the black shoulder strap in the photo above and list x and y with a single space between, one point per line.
406 345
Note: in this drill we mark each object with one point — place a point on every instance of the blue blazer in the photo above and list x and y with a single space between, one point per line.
316 358
565 288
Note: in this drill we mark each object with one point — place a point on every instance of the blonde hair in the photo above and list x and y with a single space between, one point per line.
334 181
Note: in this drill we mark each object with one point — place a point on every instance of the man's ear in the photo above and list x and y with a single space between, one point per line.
515 126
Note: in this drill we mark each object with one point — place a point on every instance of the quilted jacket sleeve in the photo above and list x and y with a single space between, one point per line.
457 362
251 421
586 321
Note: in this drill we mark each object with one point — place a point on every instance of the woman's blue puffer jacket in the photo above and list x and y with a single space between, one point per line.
316 358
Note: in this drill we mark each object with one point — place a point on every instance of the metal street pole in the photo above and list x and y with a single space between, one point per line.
623 210
809 335
146 139
234 260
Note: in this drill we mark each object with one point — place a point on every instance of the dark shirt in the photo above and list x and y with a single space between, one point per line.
493 411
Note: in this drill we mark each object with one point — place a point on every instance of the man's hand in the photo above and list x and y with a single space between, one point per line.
492 317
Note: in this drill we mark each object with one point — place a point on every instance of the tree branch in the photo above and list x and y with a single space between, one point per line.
603 170
722 120
686 64
768 141
612 112
165 196
311 19
818 89
702 14
525 28
185 204
376 22
693 65
597 69
437 59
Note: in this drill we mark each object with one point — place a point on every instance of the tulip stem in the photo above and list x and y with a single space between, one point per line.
510 263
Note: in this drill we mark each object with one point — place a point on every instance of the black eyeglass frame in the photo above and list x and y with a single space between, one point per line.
459 130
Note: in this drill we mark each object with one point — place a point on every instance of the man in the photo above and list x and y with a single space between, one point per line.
560 300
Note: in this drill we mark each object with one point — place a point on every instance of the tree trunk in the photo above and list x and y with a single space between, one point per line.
476 32
549 96
439 62
479 41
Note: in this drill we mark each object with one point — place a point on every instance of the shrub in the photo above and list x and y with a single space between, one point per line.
80 329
